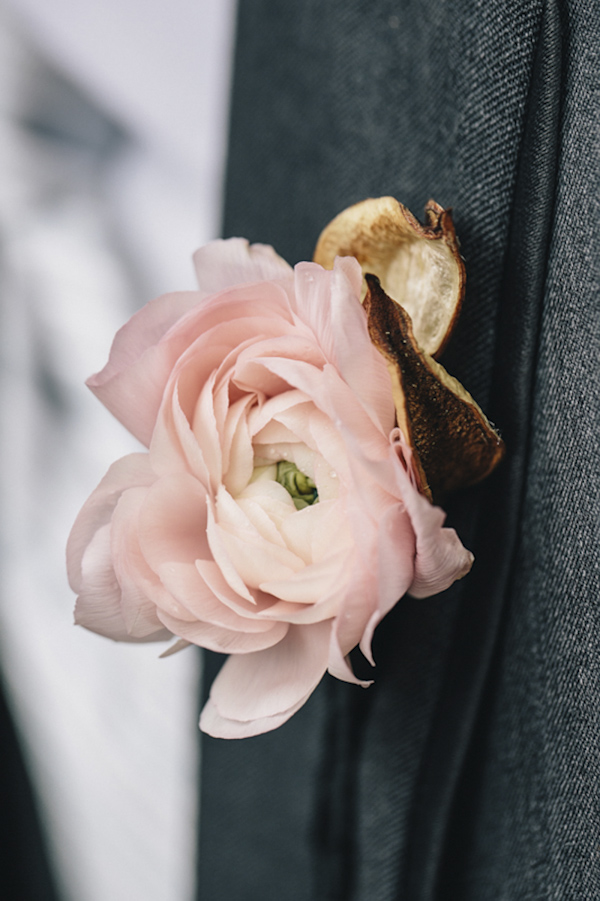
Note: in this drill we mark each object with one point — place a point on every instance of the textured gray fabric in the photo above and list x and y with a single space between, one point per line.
470 769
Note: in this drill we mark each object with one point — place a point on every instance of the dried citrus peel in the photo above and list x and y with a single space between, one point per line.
419 266
454 444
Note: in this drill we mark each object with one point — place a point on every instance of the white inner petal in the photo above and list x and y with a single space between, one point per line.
268 540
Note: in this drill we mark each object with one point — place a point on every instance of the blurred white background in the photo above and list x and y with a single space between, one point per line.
113 120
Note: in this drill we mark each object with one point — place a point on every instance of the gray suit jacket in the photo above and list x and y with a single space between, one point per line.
470 769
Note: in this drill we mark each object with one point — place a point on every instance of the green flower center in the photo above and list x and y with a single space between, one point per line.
299 486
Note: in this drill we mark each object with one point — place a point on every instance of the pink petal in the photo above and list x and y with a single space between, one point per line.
215 580
185 583
330 302
173 522
339 665
215 351
214 724
253 557
204 426
174 447
223 560
273 682
395 568
334 398
261 415
312 289
98 606
304 614
222 264
356 609
370 382
311 584
224 641
236 444
381 573
139 586
251 554
266 509
133 470
440 557
275 432
317 532
348 269
132 382
180 645
252 376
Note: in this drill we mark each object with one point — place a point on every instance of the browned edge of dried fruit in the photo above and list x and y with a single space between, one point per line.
374 231
454 444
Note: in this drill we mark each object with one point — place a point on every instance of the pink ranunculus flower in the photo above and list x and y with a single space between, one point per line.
205 536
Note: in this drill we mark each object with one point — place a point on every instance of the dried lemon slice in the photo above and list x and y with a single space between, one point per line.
453 442
419 266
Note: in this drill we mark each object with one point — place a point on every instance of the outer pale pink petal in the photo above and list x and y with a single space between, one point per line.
359 603
128 472
137 582
312 288
222 264
382 571
370 381
142 358
440 557
214 724
271 682
185 583
132 382
331 301
395 555
180 645
224 641
173 522
98 606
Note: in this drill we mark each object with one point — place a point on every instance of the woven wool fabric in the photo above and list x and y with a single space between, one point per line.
470 769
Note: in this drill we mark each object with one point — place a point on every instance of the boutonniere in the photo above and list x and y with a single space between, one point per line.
299 433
